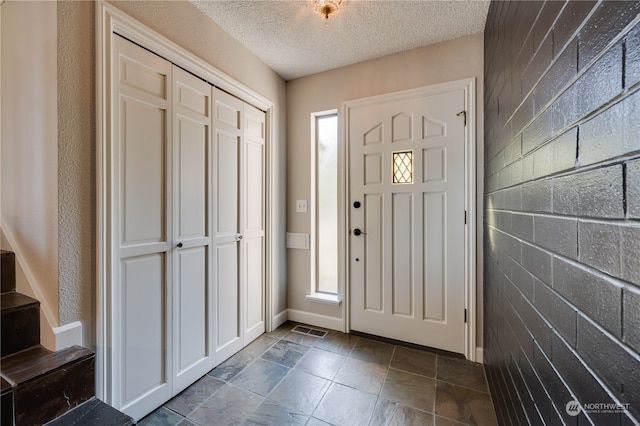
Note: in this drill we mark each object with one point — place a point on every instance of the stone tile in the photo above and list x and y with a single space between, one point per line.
272 413
285 353
161 417
300 391
260 345
373 351
187 422
414 361
462 372
391 413
229 406
231 367
260 377
410 390
362 375
321 363
463 404
317 422
302 339
343 405
194 395
335 341
279 332
444 421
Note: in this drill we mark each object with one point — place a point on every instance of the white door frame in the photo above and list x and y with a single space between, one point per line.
470 261
110 21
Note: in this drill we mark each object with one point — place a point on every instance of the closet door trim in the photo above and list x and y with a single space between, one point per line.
111 22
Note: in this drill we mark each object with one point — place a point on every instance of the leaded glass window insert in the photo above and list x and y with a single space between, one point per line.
403 167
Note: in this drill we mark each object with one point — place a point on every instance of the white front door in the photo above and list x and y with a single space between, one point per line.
407 264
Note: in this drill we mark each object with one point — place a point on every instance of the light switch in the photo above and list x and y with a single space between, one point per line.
301 206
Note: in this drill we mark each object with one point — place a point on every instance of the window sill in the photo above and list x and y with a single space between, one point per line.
326 298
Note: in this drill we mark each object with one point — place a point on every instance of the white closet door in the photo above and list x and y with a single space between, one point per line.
228 292
141 367
253 222
192 229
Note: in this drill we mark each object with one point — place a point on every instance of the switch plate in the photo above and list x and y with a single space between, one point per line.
301 206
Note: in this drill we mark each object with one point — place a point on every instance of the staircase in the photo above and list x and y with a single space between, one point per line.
39 386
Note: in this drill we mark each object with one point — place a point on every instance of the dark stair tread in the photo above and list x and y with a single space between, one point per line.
37 361
93 412
6 386
12 301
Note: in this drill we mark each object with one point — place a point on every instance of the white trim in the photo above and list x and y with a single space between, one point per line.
110 21
317 320
326 298
279 319
340 294
470 261
68 335
479 355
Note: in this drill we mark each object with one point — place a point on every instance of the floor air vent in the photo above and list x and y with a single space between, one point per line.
310 331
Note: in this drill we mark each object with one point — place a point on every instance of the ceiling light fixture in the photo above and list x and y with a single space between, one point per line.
326 8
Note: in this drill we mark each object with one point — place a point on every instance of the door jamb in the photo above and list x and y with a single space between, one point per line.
470 238
109 22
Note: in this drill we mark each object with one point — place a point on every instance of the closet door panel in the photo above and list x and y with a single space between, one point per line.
192 285
229 294
253 201
141 370
142 150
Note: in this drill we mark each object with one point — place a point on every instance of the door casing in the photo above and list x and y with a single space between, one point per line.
470 179
111 22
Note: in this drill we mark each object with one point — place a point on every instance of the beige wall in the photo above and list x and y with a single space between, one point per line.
443 62
185 25
29 145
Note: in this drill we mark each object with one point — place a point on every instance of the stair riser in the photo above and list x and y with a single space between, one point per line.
20 329
6 415
7 272
41 400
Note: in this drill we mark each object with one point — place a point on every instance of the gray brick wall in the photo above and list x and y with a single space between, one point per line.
562 209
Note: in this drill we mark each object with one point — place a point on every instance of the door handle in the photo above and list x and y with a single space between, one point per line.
358 232
179 245
239 237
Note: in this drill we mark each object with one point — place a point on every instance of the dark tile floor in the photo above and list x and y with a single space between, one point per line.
287 378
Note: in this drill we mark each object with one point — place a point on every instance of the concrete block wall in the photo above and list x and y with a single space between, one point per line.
562 210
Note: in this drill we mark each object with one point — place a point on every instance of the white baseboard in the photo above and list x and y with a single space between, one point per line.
324 321
68 335
480 355
279 319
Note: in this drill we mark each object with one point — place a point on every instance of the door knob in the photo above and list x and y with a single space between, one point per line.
179 245
357 232
356 204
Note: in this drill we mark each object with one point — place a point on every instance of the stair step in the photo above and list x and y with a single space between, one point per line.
93 412
20 322
6 407
7 271
48 384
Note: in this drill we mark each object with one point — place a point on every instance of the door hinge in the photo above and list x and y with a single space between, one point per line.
465 316
465 217
464 117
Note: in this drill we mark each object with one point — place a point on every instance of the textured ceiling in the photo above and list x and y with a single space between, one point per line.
294 41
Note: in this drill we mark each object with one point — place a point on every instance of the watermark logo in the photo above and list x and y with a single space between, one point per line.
572 408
